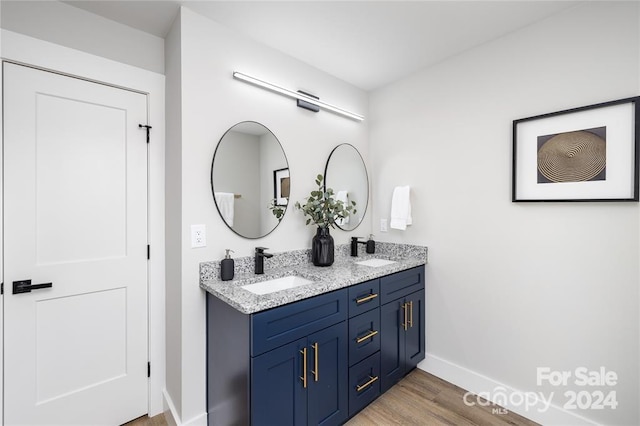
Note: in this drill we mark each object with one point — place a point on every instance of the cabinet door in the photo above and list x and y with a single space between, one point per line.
392 343
327 376
278 396
415 335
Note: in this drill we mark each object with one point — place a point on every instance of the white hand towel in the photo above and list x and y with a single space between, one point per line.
344 197
401 208
225 201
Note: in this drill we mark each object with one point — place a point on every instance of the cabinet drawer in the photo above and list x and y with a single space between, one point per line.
364 383
364 336
401 283
363 297
276 327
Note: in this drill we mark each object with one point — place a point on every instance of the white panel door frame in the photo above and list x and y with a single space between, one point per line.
27 50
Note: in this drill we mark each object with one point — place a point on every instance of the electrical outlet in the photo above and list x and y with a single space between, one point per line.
383 225
198 236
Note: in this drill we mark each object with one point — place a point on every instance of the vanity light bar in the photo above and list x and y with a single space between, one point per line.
297 95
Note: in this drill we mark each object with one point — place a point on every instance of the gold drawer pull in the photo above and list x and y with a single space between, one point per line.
362 387
411 314
368 336
404 309
304 367
316 349
367 298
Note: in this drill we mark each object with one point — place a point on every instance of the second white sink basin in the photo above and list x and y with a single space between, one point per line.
376 262
276 284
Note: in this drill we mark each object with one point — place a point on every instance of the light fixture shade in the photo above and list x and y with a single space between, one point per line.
296 95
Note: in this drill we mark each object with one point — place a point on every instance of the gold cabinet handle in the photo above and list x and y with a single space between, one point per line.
368 336
316 350
410 314
367 298
360 388
404 324
304 367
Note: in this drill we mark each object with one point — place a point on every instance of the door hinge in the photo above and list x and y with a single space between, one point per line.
148 369
146 126
148 252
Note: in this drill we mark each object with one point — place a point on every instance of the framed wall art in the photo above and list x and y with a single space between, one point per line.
281 185
582 154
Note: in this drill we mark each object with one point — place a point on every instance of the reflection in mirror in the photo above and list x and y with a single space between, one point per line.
346 174
250 179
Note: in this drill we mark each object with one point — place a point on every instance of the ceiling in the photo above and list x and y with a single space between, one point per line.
366 43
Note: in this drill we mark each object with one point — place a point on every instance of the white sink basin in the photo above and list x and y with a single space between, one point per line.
375 262
276 284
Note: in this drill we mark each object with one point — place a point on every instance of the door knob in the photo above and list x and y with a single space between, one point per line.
25 286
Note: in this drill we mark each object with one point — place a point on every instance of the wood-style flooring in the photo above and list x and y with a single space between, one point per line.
158 420
424 399
418 399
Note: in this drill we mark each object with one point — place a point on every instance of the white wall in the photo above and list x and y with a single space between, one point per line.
69 26
512 287
173 215
211 102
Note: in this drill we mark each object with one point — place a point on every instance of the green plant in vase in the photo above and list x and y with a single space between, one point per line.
323 209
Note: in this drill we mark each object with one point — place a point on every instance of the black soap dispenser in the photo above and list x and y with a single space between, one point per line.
371 245
227 267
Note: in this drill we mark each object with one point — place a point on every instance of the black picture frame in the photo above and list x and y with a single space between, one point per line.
588 153
281 186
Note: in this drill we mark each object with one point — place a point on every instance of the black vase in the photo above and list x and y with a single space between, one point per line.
322 247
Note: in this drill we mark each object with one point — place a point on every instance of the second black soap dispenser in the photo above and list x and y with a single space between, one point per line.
227 267
371 245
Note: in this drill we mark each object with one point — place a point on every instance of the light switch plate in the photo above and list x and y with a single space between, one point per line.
198 236
383 225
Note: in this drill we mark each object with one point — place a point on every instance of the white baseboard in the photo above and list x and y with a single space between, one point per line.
170 412
199 420
172 417
480 384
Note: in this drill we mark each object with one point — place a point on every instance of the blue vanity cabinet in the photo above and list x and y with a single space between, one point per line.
317 361
303 382
256 363
402 325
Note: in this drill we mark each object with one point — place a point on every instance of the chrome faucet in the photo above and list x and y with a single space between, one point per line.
259 259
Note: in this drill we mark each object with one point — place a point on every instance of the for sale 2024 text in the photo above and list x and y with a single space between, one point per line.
594 399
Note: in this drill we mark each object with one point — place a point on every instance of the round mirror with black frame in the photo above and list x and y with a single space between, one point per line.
346 174
250 179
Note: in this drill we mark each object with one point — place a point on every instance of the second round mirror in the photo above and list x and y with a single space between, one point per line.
346 174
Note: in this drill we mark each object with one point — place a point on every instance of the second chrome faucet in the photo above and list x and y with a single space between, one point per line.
371 245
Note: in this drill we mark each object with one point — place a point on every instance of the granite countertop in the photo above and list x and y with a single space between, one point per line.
343 273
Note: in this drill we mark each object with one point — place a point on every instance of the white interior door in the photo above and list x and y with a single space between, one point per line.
75 197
